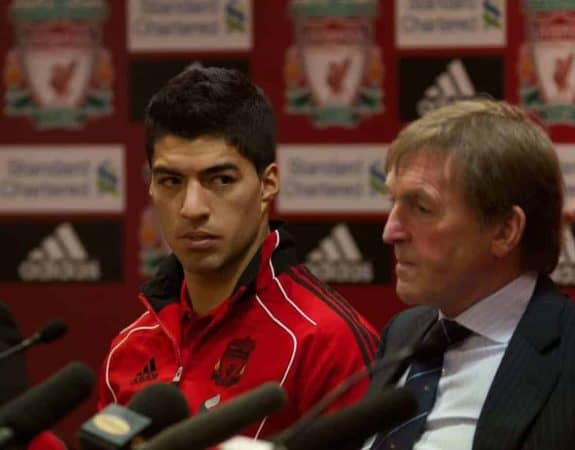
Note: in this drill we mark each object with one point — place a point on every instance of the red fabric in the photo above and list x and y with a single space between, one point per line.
293 330
46 441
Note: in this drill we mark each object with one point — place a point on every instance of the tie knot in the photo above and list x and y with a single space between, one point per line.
444 333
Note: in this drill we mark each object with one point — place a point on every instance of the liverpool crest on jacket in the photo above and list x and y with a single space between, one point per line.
232 364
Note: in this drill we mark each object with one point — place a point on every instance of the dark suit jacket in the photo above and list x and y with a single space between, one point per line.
13 374
531 401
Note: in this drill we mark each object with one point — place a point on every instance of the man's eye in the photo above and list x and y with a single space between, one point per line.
169 181
422 208
223 180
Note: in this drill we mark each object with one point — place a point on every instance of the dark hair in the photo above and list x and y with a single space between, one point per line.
215 102
501 159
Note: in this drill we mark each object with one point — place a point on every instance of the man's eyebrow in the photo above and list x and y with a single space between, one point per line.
219 168
164 170
410 194
418 193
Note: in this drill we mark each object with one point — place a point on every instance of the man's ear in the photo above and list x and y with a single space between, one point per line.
269 185
509 232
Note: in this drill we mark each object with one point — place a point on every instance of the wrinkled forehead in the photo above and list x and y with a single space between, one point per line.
436 160
434 167
431 171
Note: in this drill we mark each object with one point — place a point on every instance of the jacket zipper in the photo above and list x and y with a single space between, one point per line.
178 375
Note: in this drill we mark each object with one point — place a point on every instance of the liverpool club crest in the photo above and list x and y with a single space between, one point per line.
231 366
547 60
58 74
333 71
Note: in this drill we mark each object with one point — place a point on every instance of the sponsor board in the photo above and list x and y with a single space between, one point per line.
454 24
430 83
61 252
564 273
49 179
153 245
332 179
147 76
566 155
58 74
334 70
343 252
176 25
547 60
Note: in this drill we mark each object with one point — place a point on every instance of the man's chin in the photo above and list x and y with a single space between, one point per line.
201 267
409 296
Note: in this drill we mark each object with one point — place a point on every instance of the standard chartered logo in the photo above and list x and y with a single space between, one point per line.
492 13
107 180
61 256
377 178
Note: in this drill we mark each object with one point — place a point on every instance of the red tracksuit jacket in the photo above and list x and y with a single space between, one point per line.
281 324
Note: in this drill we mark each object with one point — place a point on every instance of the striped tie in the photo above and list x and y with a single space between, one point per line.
423 378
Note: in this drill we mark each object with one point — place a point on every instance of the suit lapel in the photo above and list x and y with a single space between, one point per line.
527 373
403 334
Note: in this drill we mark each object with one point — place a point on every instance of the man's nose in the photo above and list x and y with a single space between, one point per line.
394 230
195 202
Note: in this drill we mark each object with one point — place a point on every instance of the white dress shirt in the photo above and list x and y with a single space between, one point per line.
469 368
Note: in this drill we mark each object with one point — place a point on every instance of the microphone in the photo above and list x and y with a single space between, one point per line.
48 333
163 403
41 406
154 408
405 354
309 421
348 428
217 425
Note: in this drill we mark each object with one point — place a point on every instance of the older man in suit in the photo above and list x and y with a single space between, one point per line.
475 224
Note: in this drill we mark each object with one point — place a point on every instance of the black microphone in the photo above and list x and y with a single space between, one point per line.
154 408
216 425
404 355
348 428
43 405
48 333
312 417
163 403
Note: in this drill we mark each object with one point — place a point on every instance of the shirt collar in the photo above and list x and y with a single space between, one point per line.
496 316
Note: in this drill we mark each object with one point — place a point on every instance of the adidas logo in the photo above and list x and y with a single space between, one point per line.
453 84
338 259
564 273
148 373
60 257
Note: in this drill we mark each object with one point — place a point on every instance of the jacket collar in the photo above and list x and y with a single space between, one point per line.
277 250
527 374
538 332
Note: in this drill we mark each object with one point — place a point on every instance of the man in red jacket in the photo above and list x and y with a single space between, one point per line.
231 308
